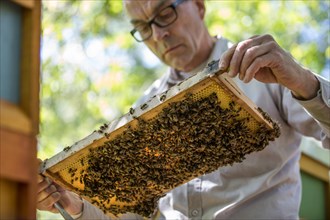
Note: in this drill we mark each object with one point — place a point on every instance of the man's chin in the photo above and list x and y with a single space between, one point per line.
178 65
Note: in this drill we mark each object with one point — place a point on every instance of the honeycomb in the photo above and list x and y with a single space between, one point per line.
207 126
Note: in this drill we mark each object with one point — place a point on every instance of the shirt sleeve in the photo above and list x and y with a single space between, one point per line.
91 212
158 86
319 109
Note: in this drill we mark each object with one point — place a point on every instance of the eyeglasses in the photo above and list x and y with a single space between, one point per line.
162 19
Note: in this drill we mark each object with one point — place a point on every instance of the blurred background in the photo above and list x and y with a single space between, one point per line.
92 70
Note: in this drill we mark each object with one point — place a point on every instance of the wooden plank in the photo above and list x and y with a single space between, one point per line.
320 171
243 100
8 199
25 3
13 118
17 156
28 195
30 64
315 168
19 124
18 165
327 200
30 87
27 206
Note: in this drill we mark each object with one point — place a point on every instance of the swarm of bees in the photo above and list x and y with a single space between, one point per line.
187 139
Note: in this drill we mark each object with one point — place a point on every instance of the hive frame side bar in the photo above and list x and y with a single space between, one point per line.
242 99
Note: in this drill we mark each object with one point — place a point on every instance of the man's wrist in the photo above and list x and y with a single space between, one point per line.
80 207
77 216
310 88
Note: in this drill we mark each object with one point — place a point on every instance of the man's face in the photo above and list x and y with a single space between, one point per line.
179 44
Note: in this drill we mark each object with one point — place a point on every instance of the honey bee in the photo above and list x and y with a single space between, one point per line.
162 98
144 106
184 140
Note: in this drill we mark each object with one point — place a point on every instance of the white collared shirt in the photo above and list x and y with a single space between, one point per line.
266 185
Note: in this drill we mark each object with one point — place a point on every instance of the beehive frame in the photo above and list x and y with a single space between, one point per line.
68 167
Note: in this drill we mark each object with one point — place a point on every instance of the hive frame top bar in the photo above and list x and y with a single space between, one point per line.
211 70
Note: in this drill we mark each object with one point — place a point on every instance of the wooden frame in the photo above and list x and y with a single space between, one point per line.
20 122
9 113
25 3
314 168
320 171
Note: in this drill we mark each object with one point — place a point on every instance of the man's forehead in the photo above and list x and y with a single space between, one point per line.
155 4
147 7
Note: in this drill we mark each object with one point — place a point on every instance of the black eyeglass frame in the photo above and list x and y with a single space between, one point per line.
153 20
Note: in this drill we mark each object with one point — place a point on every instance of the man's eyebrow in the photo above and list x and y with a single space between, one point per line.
158 6
136 21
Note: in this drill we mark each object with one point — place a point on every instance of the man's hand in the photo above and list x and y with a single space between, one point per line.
49 193
260 57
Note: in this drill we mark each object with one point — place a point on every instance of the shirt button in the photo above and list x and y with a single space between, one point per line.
194 212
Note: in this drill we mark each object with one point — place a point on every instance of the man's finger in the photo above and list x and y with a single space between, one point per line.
45 193
253 53
261 63
239 52
43 185
48 203
40 178
226 57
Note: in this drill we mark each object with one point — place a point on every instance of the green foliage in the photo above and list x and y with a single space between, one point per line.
81 91
93 71
288 21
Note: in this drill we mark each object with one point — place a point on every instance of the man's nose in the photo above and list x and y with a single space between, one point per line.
158 33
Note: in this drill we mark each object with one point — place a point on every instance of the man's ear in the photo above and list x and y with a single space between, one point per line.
201 7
